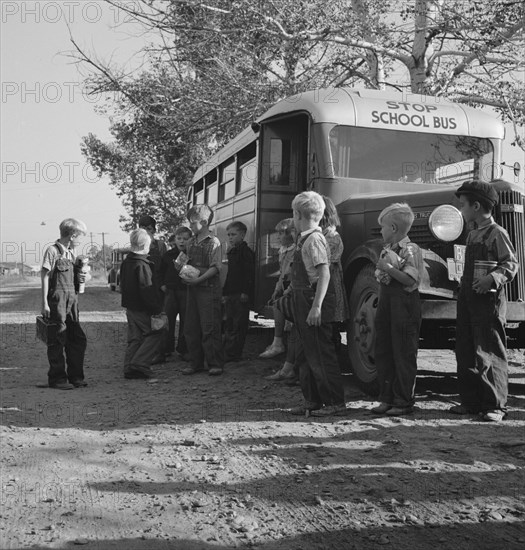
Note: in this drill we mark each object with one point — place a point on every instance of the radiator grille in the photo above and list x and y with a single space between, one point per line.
509 214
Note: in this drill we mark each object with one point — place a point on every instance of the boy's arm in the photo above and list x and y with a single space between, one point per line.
314 315
398 275
44 275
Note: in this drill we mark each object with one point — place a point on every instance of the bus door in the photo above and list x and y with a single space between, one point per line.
283 173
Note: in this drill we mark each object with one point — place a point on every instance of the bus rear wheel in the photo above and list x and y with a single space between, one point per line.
363 300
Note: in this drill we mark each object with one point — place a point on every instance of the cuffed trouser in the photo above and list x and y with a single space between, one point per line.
202 327
480 351
319 375
237 315
143 344
70 339
397 323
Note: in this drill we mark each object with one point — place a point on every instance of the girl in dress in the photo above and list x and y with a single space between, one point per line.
329 224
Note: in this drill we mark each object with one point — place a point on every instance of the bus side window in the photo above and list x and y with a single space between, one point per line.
248 175
212 189
280 150
198 192
227 180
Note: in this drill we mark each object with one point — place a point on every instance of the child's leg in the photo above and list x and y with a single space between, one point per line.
138 327
170 309
315 344
180 310
488 332
406 322
383 352
75 348
468 378
208 301
277 345
192 329
278 332
55 348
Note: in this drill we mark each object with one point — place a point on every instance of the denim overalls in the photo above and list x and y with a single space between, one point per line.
480 339
319 372
63 305
397 324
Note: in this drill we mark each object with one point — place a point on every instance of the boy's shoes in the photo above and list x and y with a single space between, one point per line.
272 351
461 409
381 409
494 416
215 371
188 371
136 375
79 383
280 375
62 386
400 411
294 381
330 410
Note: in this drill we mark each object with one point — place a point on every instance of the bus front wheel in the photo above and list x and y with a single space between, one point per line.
363 301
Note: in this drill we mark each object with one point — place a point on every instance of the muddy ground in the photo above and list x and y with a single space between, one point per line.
214 462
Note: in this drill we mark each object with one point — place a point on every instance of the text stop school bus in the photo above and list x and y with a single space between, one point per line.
367 149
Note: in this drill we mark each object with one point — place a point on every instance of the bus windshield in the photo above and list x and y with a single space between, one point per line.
412 157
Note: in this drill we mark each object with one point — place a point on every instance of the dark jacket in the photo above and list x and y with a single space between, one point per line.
241 271
137 285
169 275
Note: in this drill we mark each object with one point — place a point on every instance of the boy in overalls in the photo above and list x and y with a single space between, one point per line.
481 353
203 323
60 305
313 301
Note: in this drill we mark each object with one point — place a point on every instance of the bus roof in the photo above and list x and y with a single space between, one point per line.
389 111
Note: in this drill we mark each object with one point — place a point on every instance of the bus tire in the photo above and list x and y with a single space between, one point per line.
363 299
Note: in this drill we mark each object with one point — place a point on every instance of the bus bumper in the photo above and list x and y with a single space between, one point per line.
445 309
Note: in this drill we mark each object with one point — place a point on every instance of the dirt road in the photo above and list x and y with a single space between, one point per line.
213 462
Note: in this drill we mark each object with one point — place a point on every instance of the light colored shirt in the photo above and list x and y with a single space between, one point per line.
51 254
500 250
315 252
206 252
413 265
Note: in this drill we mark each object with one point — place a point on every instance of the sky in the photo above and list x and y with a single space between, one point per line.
44 115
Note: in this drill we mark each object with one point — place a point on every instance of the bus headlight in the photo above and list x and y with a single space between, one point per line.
446 223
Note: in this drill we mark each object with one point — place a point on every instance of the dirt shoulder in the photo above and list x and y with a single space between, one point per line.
205 462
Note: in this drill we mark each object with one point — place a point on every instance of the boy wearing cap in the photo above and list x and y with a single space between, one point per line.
481 353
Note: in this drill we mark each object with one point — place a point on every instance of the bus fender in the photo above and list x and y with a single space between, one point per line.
367 253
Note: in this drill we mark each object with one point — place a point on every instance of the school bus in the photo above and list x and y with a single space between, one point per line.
367 149
117 257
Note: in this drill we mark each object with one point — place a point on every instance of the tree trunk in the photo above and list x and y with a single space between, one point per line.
425 19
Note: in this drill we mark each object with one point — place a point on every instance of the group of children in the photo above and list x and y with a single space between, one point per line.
309 299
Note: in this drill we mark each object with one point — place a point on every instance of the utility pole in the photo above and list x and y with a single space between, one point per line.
103 251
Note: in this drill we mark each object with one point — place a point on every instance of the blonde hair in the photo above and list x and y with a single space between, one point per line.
310 204
70 226
200 211
286 226
400 213
140 240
